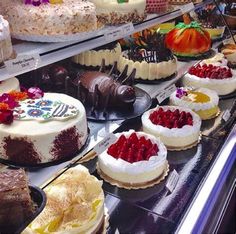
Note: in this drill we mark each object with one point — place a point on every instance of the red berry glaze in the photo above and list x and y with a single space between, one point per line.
210 71
171 119
133 149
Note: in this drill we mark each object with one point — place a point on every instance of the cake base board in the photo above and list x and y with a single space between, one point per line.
45 164
171 148
214 115
134 186
156 81
206 55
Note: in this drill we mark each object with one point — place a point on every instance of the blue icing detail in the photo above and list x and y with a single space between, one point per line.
35 112
44 103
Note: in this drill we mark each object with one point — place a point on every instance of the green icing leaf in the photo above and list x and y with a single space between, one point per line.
193 24
122 1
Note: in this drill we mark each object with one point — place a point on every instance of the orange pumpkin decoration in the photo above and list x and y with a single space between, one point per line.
188 40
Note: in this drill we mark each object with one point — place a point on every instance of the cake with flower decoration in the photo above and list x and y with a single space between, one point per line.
149 56
188 39
120 11
6 49
75 204
38 128
9 85
50 17
177 127
135 160
202 101
222 79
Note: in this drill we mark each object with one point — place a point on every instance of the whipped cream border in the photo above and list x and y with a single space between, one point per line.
121 166
214 100
174 132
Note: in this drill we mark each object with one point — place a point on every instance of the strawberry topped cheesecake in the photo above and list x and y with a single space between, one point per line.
221 79
177 127
135 160
202 101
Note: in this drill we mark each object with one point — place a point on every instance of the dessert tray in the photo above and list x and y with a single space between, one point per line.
142 103
46 164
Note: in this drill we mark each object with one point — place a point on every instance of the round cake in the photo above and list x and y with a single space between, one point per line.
45 129
6 49
218 78
110 53
9 85
53 18
188 40
75 204
157 6
202 101
177 127
120 11
134 160
229 51
149 56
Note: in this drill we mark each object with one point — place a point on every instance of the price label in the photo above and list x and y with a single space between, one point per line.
165 93
114 34
187 7
23 63
226 115
128 29
172 181
105 143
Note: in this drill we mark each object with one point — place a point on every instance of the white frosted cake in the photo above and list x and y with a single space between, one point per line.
44 129
110 53
9 85
118 11
6 49
135 159
75 204
202 101
62 18
218 78
177 127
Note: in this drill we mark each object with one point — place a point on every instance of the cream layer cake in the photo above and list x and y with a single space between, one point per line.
63 18
43 130
136 158
202 101
9 85
6 49
177 127
218 78
110 53
118 12
75 204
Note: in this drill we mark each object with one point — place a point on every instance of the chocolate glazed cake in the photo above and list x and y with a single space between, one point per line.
16 205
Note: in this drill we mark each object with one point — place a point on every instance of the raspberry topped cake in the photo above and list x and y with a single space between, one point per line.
135 160
177 127
221 79
201 100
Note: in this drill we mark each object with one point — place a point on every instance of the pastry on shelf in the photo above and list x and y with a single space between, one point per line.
135 160
188 40
68 17
149 56
202 101
75 204
37 127
217 60
9 85
218 78
157 6
115 12
177 127
6 49
229 51
16 206
93 58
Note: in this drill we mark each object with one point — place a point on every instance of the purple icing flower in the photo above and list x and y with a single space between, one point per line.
35 92
180 93
36 2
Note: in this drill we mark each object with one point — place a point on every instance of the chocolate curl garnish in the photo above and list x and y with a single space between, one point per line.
180 93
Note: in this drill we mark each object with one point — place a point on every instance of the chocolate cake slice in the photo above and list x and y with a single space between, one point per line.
16 205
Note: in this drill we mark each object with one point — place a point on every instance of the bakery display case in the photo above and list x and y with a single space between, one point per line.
125 122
